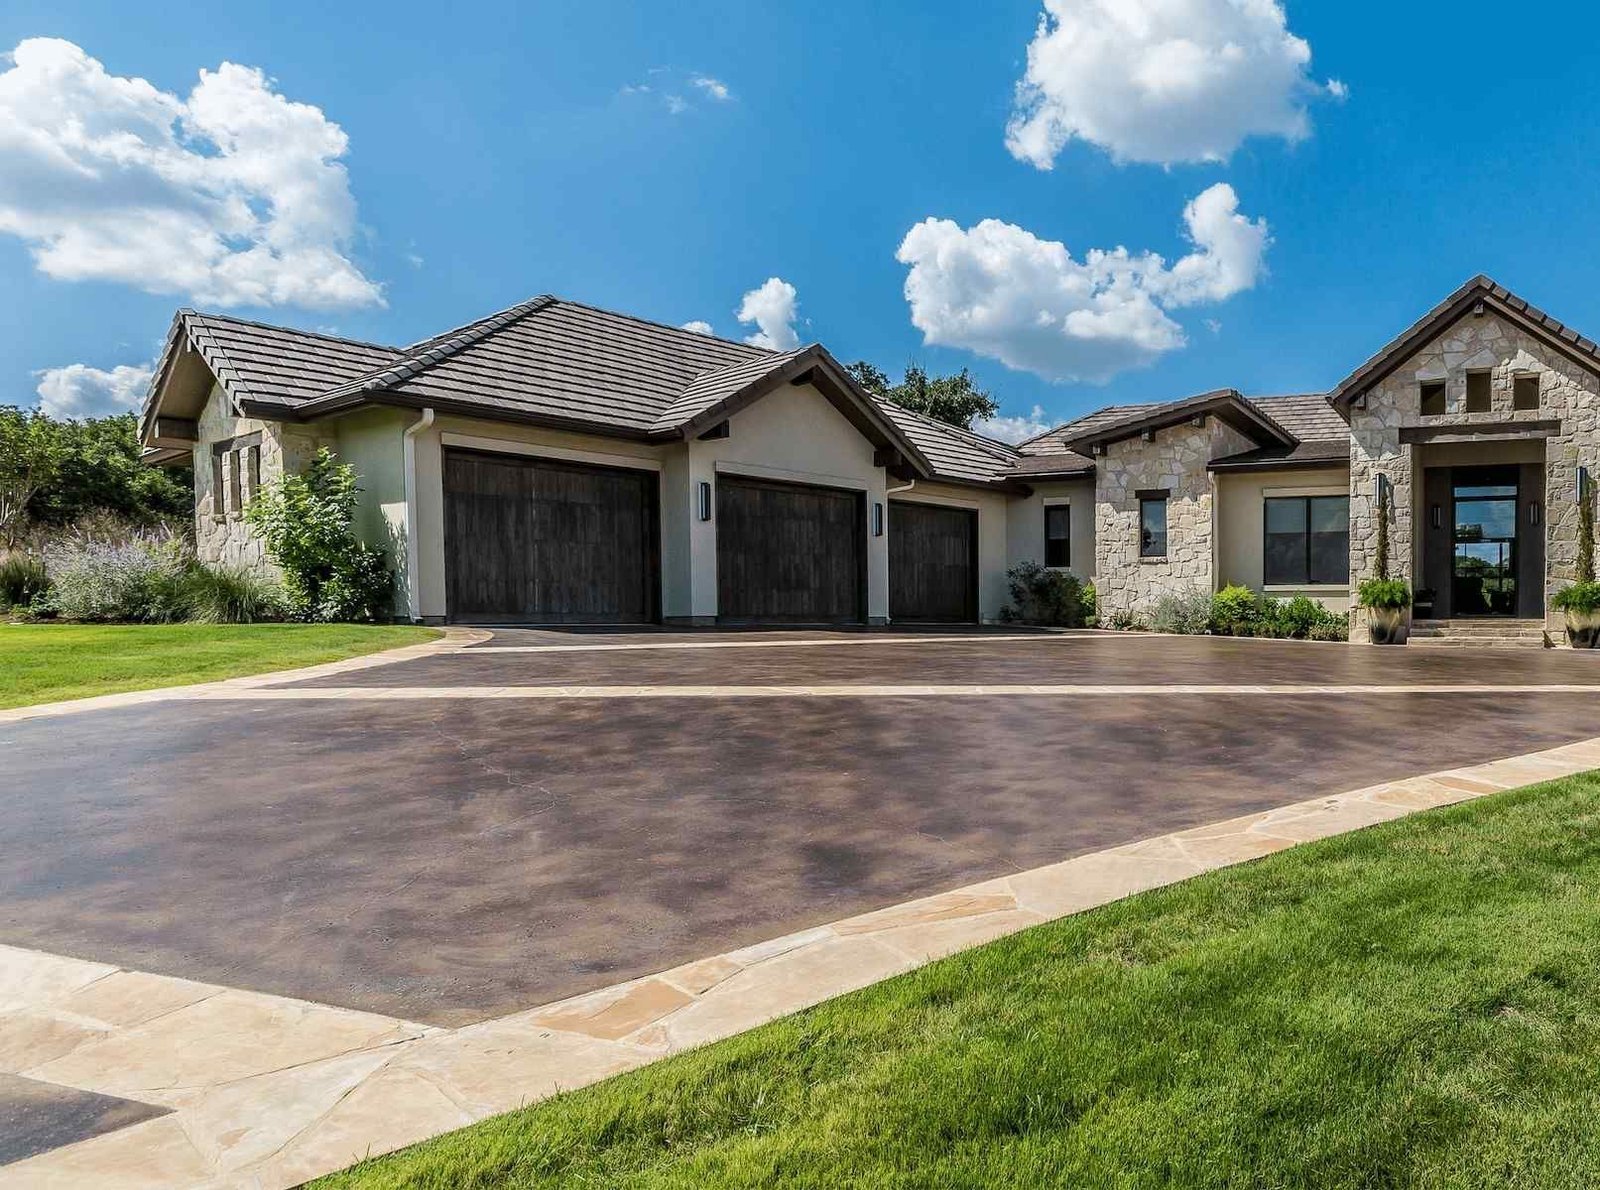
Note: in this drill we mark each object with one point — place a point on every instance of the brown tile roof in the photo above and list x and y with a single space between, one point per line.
953 453
549 358
1322 452
1308 416
273 364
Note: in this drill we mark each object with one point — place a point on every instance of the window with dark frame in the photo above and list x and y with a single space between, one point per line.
1307 541
1433 398
235 481
1057 535
1525 392
1152 526
1478 393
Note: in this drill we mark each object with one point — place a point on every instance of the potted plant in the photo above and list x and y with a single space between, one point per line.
1387 601
1581 601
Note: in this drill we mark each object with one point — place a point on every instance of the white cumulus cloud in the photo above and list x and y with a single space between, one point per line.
1162 81
1013 429
773 308
699 326
77 390
1000 291
233 196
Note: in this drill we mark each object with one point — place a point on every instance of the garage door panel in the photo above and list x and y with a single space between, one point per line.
789 552
545 541
933 566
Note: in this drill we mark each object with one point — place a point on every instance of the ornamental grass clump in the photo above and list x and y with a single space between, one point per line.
23 578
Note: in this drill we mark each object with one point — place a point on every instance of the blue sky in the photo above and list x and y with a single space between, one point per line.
568 149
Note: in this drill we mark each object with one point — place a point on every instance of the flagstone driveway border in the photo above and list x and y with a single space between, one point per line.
453 640
267 1092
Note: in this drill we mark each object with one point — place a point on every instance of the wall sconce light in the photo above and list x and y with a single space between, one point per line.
877 520
1381 487
703 499
1535 512
1436 516
1585 483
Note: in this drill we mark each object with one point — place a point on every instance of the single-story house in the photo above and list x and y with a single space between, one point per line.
561 464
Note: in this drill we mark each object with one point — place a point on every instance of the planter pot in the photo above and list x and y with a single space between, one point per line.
1388 625
1583 630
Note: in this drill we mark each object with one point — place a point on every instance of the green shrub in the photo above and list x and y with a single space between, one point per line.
1239 611
1047 597
1581 598
1298 616
1189 613
23 578
1235 611
148 580
138 580
1385 593
305 521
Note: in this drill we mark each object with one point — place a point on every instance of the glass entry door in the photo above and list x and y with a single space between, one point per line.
1483 571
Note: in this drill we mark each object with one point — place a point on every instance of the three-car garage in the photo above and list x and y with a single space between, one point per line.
536 540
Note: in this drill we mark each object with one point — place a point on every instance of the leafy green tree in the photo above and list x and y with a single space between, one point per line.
30 457
100 469
306 523
954 400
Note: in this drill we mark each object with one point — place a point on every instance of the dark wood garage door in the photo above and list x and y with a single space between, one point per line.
541 541
790 553
933 563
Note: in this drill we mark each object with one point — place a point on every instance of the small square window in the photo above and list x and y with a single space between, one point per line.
1478 390
1525 392
1433 403
1057 535
1153 527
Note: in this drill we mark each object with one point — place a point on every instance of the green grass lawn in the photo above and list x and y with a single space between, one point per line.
1413 1005
49 662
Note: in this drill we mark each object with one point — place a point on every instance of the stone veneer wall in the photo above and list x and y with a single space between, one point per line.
284 447
1176 460
1566 391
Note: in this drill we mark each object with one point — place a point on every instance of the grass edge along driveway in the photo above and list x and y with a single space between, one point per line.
1417 1003
53 662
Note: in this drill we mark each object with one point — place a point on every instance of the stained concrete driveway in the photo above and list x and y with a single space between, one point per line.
447 859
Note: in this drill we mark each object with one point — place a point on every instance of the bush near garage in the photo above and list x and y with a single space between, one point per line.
306 522
1049 598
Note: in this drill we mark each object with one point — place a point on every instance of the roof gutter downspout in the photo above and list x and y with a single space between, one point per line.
413 595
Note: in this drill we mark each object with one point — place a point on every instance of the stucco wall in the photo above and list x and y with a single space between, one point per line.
993 513
1174 460
1241 527
1025 525
371 442
1567 392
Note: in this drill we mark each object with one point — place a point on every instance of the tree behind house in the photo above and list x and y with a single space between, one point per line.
955 400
